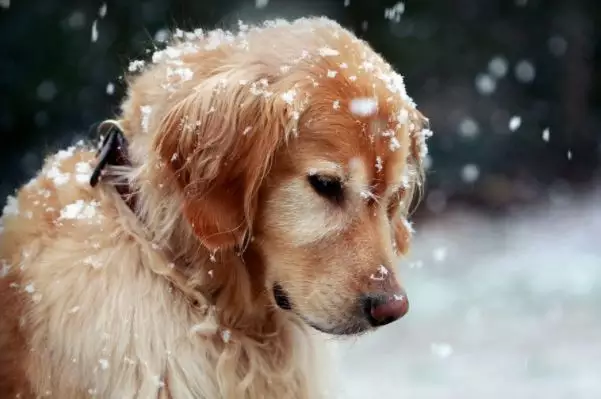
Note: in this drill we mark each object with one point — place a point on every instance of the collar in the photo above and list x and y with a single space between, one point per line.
113 152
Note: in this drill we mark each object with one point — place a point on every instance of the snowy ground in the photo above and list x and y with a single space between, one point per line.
505 308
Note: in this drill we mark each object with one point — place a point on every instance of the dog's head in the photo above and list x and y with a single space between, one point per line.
296 142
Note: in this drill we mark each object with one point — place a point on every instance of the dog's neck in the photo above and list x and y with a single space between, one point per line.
231 281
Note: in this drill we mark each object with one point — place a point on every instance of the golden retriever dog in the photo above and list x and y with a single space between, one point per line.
254 195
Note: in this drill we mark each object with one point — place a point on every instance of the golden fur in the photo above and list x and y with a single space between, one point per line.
176 300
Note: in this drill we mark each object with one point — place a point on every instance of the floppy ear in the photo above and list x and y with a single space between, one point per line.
219 142
411 195
402 234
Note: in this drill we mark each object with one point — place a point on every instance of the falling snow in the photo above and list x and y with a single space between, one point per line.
498 66
525 71
485 84
440 254
468 128
546 135
102 11
261 3
514 123
470 173
110 88
442 350
395 12
94 31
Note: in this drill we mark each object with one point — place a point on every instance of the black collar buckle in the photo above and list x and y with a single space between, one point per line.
113 150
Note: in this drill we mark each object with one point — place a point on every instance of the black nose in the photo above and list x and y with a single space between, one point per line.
382 309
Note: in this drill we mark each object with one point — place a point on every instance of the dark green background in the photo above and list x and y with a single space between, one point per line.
440 46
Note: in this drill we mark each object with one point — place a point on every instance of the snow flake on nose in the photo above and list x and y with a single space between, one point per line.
398 297
380 274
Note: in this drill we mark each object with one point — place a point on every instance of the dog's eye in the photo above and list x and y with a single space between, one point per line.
327 186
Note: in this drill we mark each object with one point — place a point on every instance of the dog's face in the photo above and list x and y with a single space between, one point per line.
330 225
316 162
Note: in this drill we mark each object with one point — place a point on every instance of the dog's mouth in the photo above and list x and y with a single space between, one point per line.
351 328
281 297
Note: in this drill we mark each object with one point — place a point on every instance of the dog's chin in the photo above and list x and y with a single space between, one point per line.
353 327
346 329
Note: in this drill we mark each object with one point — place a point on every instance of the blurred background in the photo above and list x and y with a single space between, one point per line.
505 276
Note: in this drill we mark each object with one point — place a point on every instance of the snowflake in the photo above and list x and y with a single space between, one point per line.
363 106
498 66
83 171
328 52
514 123
379 165
11 207
395 12
104 364
59 178
485 84
546 135
226 335
442 349
440 254
79 210
470 173
145 110
94 31
136 65
261 3
288 96
525 71
468 128
381 273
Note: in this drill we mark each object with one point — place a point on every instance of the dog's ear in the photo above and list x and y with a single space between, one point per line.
402 234
219 142
419 131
